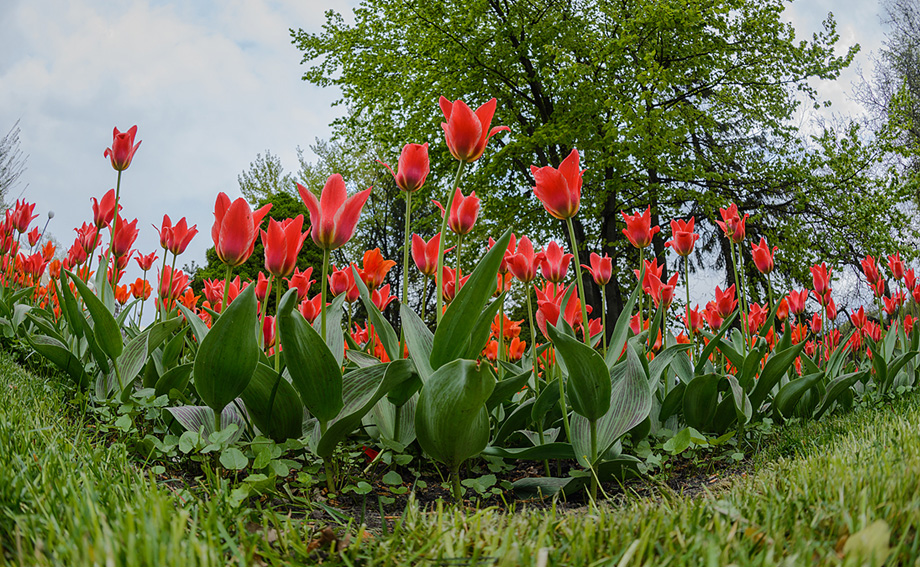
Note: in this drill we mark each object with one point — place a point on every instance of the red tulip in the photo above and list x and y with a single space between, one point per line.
268 331
164 231
896 266
910 279
682 236
797 301
725 301
555 264
381 298
763 256
104 210
179 236
821 278
76 255
830 309
712 316
467 133
491 350
22 215
878 288
49 248
870 268
412 169
524 263
262 287
33 236
235 229
516 349
638 229
425 254
601 268
121 294
696 319
651 269
450 287
909 322
123 147
145 262
301 282
858 319
124 237
732 224
782 310
463 212
343 281
179 283
916 293
140 289
816 323
663 294
214 292
333 216
559 189
375 268
310 308
509 252
283 242
756 317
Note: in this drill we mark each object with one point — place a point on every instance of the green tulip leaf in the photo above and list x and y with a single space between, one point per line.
451 420
588 385
775 368
176 378
537 453
700 399
384 330
283 419
199 329
105 328
621 329
480 334
60 355
835 389
419 341
790 394
519 419
228 354
506 388
314 370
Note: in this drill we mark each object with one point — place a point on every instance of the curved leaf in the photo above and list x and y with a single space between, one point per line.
419 341
700 400
539 452
506 388
588 385
314 371
836 388
174 379
281 421
228 354
790 394
621 329
60 355
773 370
105 328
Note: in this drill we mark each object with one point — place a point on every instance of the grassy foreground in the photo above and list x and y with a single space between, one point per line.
842 491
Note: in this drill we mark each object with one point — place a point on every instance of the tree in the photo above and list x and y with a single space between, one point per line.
680 106
265 177
12 162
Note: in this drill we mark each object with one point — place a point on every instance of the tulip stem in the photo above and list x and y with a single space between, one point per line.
277 336
533 341
457 274
439 274
323 294
593 459
689 321
455 481
172 270
264 310
580 282
140 317
604 317
112 227
226 298
405 288
501 333
731 246
424 297
156 316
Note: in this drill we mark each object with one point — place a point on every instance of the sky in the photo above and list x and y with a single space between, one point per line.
210 84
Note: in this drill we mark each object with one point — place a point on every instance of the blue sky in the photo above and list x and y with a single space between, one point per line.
210 84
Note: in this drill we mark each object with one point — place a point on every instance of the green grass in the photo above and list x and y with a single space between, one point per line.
69 499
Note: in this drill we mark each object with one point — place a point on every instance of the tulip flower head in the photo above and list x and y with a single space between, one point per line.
123 147
33 236
524 263
782 310
797 301
262 287
555 264
870 268
343 281
381 297
763 256
696 319
468 132
124 237
732 224
334 216
425 254
821 278
463 212
651 269
22 215
283 242
235 229
559 190
662 294
146 262
896 266
509 252
179 236
712 316
682 237
412 168
601 269
858 319
725 301
639 229
310 308
375 268
140 289
301 282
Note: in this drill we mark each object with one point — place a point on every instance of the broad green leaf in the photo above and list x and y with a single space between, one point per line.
621 328
228 354
835 388
60 355
201 418
451 420
519 419
506 388
176 378
385 416
335 338
419 341
281 421
700 399
199 329
71 310
775 368
662 361
452 337
714 341
233 459
539 452
630 403
739 397
480 335
790 394
105 328
314 371
672 403
588 385
173 349
362 389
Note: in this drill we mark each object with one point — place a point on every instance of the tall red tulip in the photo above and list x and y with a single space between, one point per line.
555 264
463 212
374 268
821 278
525 262
559 190
145 262
763 256
22 215
638 229
334 216
732 224
412 168
124 237
682 236
301 282
425 254
235 229
725 301
896 266
601 269
797 301
283 242
123 147
663 294
468 132
180 236
870 268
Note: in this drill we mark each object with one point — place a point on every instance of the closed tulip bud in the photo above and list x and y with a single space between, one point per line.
870 268
123 147
555 264
797 301
725 301
896 266
425 254
235 229
301 282
816 323
763 256
412 169
262 287
601 269
821 278
334 216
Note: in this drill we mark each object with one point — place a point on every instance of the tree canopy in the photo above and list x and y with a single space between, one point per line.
681 106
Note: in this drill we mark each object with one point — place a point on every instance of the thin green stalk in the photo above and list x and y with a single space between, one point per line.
688 321
455 482
439 275
501 337
593 459
396 423
731 246
140 317
226 298
580 282
277 337
604 317
172 271
264 309
112 227
156 315
424 297
323 293
564 407
217 421
406 244
457 273
533 341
